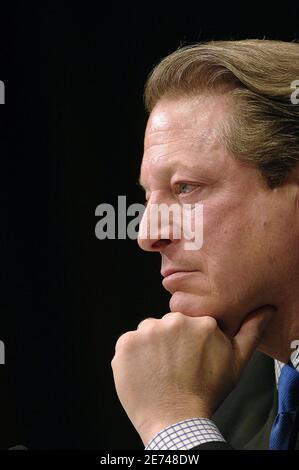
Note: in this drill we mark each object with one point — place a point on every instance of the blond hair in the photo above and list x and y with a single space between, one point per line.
263 128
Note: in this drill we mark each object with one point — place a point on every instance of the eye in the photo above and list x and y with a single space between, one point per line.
184 188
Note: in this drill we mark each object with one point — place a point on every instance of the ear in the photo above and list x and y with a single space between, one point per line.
294 175
295 179
292 182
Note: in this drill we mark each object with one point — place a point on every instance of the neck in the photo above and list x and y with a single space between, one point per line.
282 335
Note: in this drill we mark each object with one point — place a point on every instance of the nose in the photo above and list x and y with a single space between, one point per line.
156 226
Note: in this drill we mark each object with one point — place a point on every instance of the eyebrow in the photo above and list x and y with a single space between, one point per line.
181 166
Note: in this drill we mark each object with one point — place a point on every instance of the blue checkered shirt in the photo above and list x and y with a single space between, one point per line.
192 432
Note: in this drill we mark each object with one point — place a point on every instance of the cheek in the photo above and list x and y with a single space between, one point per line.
232 228
234 249
223 230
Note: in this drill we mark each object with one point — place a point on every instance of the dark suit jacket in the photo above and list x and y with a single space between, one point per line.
245 418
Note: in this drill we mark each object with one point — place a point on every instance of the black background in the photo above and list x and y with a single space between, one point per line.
71 138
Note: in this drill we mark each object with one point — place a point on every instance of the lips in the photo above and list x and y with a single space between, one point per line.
175 278
168 272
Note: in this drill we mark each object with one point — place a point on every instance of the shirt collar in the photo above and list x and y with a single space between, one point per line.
279 365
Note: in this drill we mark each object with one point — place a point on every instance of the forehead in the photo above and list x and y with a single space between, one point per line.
183 133
181 114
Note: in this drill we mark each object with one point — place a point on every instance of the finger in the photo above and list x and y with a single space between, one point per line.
166 315
169 314
145 321
123 338
250 334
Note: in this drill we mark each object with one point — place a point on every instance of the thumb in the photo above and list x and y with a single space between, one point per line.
250 334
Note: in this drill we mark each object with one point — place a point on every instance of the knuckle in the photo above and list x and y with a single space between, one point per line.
124 340
209 324
149 330
174 320
172 315
147 322
166 315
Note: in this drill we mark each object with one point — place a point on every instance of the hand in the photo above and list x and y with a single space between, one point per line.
180 367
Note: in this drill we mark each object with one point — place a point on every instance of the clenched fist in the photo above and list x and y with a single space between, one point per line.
180 367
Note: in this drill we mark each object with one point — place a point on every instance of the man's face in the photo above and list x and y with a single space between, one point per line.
248 229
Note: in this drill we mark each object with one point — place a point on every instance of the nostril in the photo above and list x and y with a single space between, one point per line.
160 243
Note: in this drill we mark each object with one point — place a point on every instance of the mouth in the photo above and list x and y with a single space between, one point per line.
171 271
172 277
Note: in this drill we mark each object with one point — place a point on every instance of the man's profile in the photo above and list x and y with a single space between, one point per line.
222 131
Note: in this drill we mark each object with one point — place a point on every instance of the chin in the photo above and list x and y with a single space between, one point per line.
194 305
